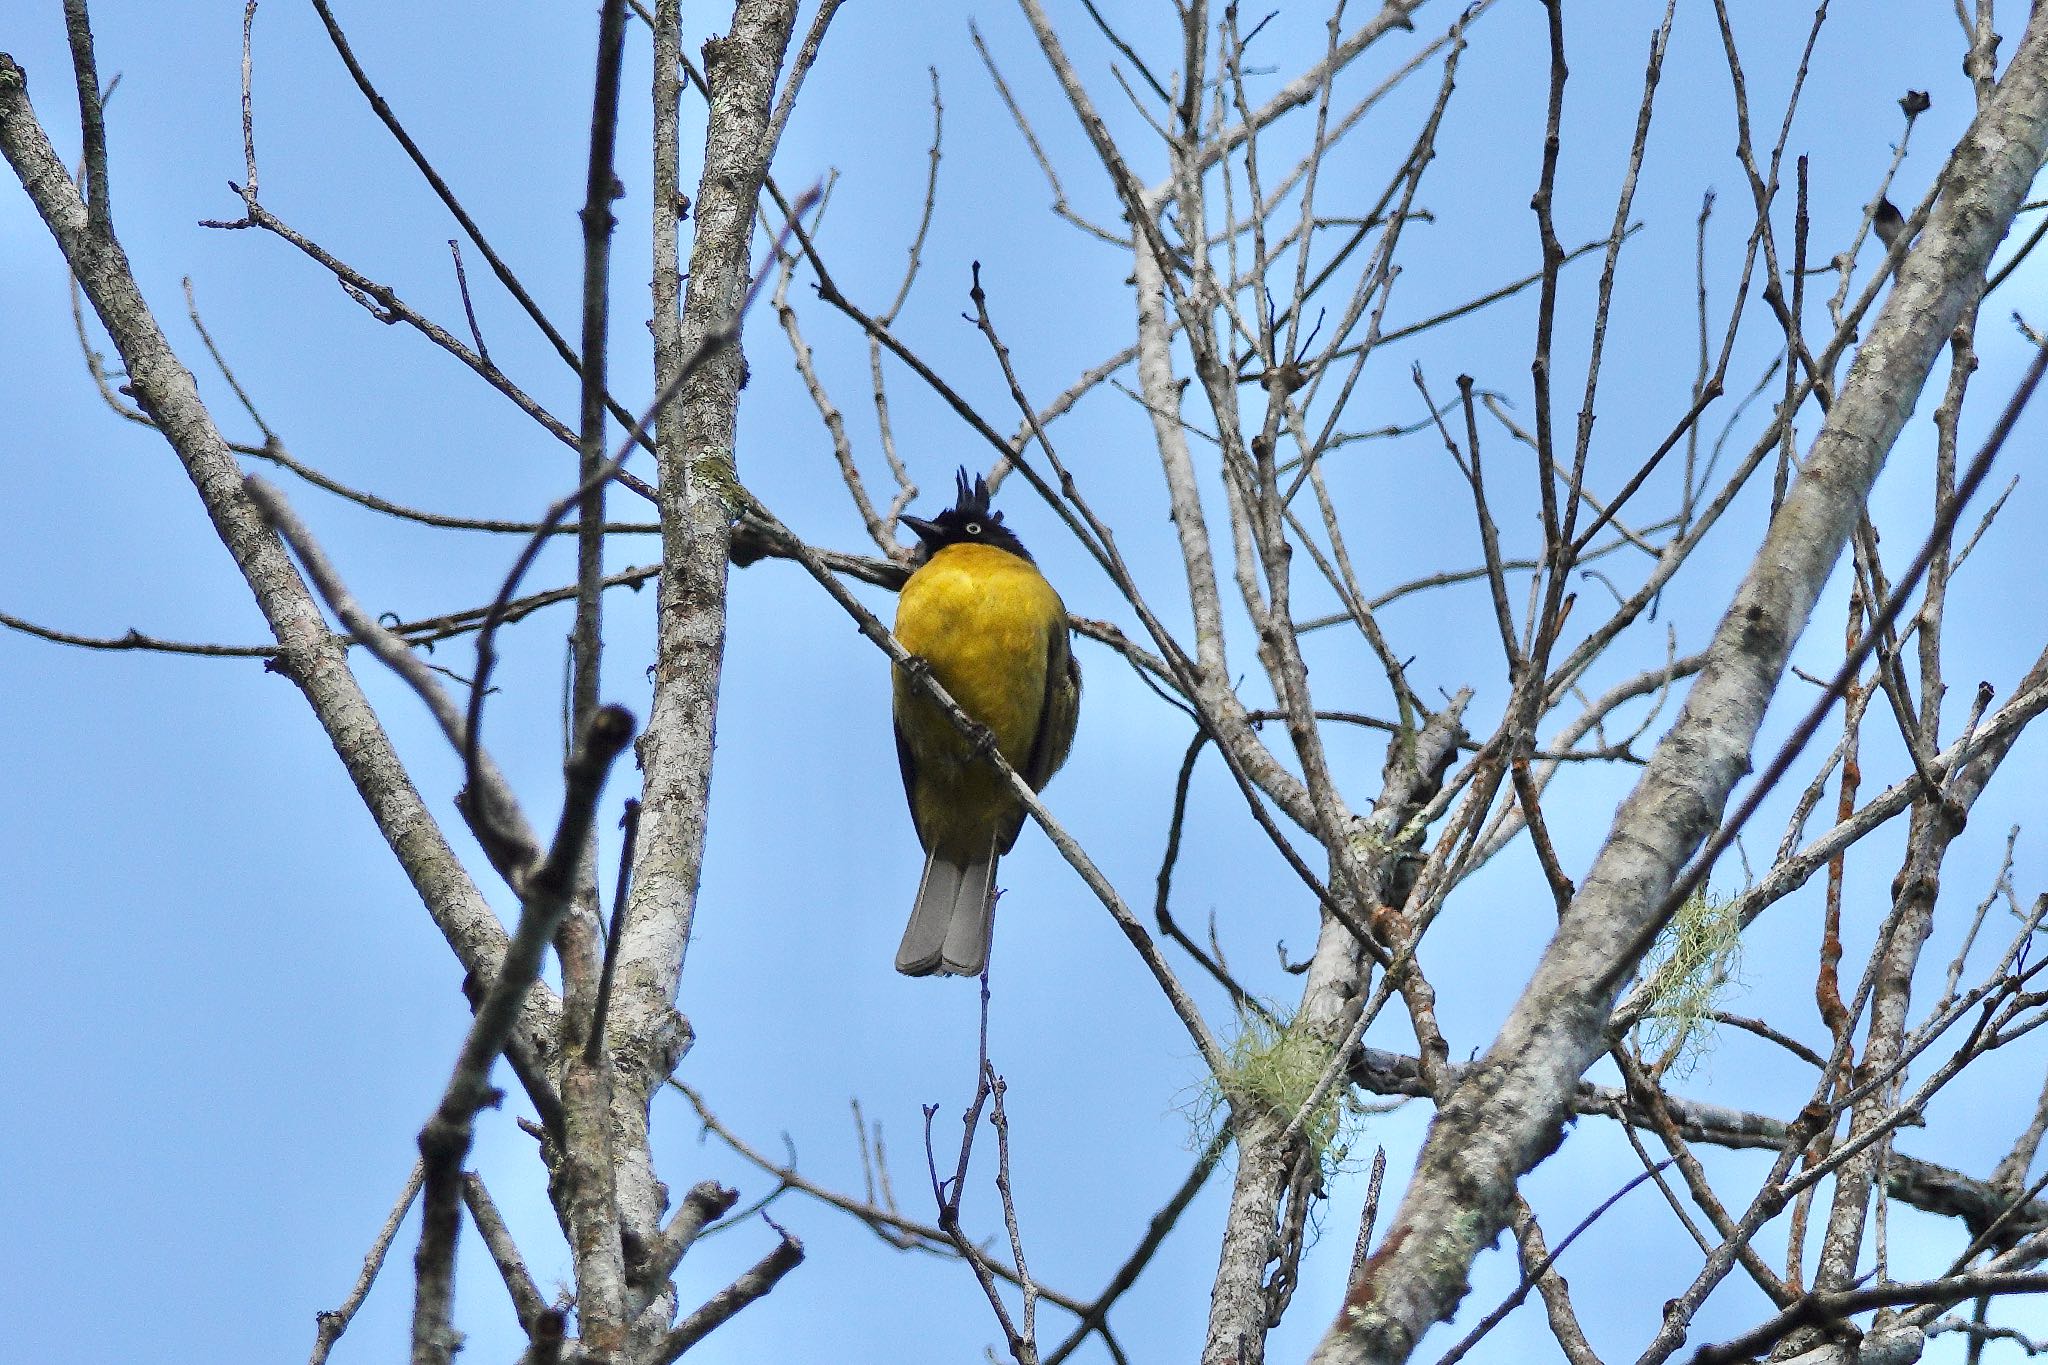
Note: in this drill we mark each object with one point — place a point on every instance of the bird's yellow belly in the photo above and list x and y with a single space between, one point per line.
978 616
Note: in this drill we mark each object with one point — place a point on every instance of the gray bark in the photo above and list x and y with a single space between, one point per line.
1508 1114
1243 1302
694 449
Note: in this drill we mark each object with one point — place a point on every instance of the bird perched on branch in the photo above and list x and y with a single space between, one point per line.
993 632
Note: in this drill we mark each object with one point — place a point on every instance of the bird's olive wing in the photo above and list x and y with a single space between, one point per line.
1059 710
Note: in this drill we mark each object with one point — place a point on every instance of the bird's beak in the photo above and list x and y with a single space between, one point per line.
927 531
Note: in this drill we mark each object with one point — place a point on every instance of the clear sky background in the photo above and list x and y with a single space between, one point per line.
228 1015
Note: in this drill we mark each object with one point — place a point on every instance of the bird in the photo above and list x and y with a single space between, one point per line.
980 616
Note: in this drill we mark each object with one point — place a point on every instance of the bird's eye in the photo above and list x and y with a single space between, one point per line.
973 528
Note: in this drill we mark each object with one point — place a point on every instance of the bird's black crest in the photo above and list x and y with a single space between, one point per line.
969 521
972 498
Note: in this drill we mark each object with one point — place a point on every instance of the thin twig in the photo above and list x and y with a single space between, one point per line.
497 1237
334 1321
756 1282
630 823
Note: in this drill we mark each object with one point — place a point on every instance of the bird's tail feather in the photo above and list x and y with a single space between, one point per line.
951 922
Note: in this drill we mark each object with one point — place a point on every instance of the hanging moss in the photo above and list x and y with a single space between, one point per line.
1271 1066
1694 961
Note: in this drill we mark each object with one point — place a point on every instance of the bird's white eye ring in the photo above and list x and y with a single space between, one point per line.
973 528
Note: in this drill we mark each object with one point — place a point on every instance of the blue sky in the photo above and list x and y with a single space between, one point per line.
230 1015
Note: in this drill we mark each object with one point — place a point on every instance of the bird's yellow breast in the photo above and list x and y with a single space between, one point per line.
980 617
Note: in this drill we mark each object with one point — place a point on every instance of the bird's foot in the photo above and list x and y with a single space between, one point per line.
982 738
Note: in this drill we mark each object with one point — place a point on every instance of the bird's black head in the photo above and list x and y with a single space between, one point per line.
967 522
